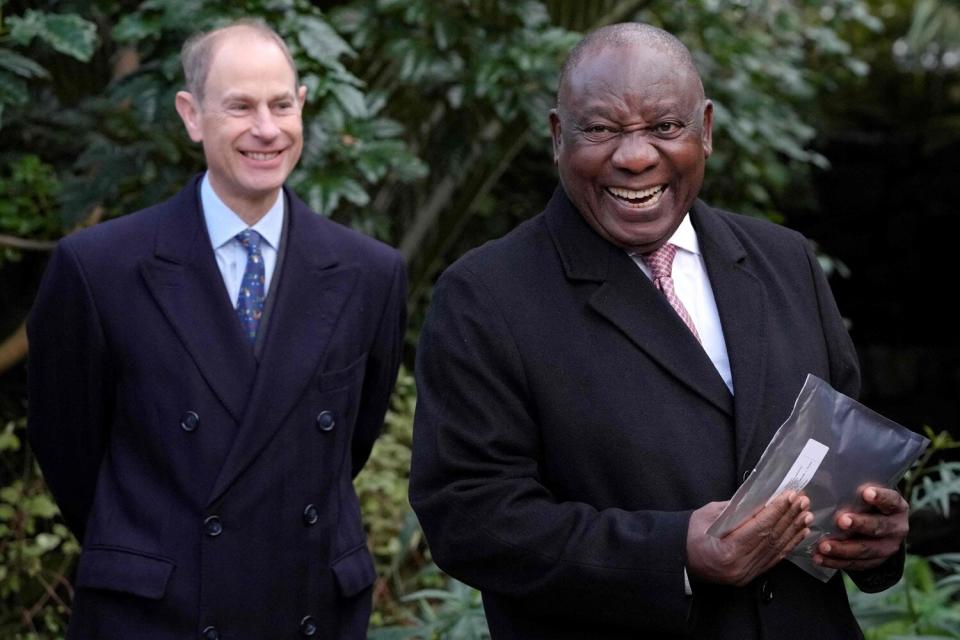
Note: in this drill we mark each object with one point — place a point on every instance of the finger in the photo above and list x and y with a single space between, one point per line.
792 521
888 501
852 554
855 550
847 565
767 525
789 545
875 525
770 545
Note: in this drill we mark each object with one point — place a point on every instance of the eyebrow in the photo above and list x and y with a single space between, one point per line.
237 95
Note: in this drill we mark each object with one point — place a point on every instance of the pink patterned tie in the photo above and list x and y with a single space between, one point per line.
661 267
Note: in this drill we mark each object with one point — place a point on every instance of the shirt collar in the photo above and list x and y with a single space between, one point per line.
223 224
685 237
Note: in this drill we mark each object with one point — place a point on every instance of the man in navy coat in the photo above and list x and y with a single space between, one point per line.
208 375
584 410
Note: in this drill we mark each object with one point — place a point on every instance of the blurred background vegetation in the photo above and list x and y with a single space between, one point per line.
426 127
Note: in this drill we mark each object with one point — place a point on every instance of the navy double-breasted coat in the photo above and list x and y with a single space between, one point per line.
211 491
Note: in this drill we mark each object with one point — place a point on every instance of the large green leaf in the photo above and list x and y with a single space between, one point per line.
68 33
320 41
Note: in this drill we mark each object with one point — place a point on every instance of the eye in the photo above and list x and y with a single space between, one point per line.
667 128
599 132
598 128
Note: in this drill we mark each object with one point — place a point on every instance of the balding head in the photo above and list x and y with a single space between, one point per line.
631 134
198 51
623 34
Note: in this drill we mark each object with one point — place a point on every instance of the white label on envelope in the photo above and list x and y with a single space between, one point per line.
803 469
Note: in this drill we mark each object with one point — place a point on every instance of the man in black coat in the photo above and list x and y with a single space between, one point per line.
584 411
208 375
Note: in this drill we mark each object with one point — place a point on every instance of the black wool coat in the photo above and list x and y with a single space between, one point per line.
568 423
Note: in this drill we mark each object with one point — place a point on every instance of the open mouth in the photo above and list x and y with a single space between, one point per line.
638 199
262 157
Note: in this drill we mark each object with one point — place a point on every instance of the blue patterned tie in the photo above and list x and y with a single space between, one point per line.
250 300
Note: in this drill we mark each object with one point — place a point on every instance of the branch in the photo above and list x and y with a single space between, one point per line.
441 194
14 348
26 244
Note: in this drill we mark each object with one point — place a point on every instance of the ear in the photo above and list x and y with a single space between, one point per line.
556 134
302 95
707 130
189 112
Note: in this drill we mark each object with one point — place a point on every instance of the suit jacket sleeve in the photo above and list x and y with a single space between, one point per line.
70 386
475 486
845 377
382 365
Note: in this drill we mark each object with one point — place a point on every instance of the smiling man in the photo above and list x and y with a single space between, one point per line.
595 384
208 375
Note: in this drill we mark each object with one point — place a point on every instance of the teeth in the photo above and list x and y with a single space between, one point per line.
261 156
628 194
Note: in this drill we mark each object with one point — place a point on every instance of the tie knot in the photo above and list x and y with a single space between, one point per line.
661 260
250 240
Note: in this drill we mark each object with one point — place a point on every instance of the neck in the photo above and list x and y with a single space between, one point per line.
250 208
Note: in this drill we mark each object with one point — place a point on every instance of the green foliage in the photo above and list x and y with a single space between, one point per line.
921 605
764 66
426 127
28 195
395 537
933 485
36 551
924 604
454 612
68 34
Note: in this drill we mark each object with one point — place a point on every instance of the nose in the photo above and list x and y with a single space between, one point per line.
264 125
635 153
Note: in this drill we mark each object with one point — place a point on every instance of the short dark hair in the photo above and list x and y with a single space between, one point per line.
198 50
621 34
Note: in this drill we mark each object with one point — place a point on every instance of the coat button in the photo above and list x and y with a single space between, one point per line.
190 421
214 527
325 421
766 592
310 515
308 626
210 633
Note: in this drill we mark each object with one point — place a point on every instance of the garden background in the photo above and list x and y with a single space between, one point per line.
426 127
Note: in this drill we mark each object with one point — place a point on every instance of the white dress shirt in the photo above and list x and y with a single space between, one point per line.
223 225
692 286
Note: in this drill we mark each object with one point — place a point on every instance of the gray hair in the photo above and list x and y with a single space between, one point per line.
625 33
197 53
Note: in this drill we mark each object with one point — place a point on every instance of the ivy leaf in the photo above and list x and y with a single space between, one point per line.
67 33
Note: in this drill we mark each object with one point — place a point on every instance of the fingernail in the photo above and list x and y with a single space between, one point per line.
808 519
870 495
804 502
825 547
846 521
817 560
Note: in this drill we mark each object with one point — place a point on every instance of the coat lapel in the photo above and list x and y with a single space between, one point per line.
313 290
628 300
741 302
184 279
